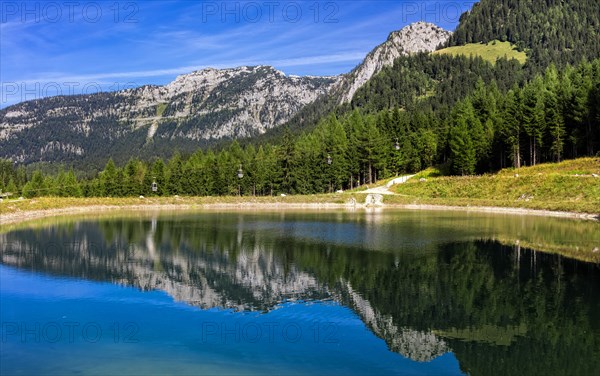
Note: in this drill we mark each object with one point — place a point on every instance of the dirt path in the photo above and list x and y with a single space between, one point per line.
385 189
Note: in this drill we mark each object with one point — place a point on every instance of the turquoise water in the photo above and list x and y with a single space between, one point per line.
300 293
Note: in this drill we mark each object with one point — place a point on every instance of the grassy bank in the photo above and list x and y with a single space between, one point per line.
45 203
567 186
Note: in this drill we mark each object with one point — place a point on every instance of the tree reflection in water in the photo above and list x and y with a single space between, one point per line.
424 290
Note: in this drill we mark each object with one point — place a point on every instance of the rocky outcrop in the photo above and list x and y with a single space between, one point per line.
245 101
416 37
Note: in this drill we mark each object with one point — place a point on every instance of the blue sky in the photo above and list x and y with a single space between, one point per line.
49 48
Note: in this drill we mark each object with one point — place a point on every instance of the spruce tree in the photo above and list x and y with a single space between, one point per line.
35 187
511 125
554 119
109 179
463 150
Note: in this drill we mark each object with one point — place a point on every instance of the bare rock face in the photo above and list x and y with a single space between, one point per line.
416 37
245 101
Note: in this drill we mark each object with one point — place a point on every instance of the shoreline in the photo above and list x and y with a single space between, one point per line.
22 216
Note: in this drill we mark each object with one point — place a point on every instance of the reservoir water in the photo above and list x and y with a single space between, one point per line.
300 292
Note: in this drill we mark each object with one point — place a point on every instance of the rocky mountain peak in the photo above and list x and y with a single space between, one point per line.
413 38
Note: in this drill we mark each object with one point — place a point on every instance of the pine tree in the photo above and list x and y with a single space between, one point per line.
261 173
354 125
175 175
133 178
109 179
59 184
463 150
309 167
534 117
74 187
370 145
226 180
429 147
158 175
273 173
579 109
335 140
511 125
11 187
35 187
208 174
554 119
286 155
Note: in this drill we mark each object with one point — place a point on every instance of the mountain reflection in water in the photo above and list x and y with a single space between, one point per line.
424 289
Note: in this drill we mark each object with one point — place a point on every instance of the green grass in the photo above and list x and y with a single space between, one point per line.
490 51
49 203
566 186
160 109
433 172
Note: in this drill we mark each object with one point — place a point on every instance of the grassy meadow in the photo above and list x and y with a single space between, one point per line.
490 51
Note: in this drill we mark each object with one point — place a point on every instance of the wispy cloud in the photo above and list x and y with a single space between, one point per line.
98 77
173 38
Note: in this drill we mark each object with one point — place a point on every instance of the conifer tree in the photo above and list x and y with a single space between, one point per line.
554 119
534 117
108 179
511 125
11 187
175 175
35 187
463 150
286 155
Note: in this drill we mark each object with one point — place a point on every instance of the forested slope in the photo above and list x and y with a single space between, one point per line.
550 31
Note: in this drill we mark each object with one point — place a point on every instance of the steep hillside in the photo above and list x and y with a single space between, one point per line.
549 31
416 38
535 33
427 82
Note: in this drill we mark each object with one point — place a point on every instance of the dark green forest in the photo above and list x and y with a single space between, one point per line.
550 31
463 113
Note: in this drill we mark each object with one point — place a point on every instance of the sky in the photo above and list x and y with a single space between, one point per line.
73 47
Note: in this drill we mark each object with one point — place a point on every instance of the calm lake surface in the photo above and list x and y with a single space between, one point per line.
331 292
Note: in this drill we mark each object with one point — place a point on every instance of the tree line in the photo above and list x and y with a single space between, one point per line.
553 116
